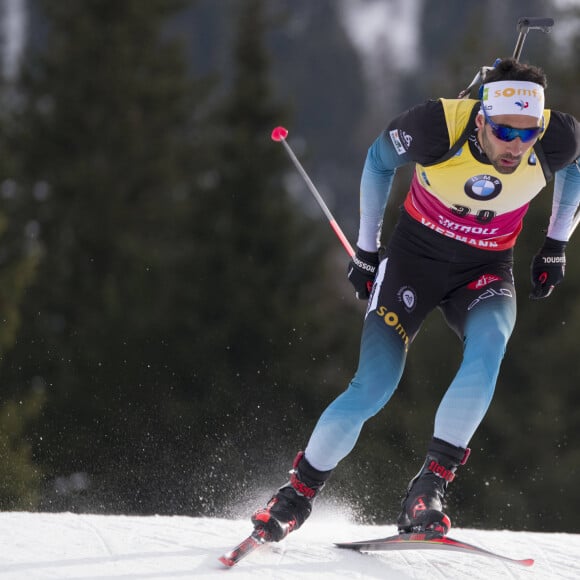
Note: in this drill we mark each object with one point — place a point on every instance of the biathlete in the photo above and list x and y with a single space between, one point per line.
478 165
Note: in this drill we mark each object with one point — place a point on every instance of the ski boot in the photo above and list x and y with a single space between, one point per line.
422 508
292 504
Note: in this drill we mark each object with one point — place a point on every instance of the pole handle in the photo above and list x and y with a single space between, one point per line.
527 23
535 23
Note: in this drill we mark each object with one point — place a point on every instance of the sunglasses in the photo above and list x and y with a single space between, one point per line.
507 133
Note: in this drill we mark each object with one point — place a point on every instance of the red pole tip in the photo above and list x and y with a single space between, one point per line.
279 133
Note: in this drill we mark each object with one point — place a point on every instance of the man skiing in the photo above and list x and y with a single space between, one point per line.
479 163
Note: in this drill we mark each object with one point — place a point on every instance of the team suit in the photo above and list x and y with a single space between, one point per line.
452 249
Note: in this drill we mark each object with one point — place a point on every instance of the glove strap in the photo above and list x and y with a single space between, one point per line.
366 261
555 246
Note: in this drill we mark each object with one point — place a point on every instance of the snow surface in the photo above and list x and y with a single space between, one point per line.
95 547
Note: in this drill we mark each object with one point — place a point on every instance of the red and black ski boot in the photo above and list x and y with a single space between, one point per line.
422 508
292 504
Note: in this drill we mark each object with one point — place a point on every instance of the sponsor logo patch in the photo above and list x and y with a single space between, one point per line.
406 138
408 297
482 187
398 144
391 319
483 281
490 293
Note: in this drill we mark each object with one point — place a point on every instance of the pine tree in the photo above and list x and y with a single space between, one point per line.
283 341
183 305
19 475
106 157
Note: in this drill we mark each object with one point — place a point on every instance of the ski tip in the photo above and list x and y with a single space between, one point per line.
279 133
527 562
228 562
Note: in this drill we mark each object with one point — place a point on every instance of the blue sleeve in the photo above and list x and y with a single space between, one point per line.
377 179
565 202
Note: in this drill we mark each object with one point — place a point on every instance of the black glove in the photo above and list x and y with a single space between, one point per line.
362 270
548 267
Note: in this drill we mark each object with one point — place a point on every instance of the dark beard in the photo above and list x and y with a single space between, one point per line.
503 169
499 168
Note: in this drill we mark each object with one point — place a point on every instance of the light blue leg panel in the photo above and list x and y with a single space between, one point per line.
487 331
381 363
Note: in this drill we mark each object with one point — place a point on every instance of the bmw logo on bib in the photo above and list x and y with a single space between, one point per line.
482 187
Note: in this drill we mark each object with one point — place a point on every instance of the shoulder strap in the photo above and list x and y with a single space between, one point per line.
455 147
539 150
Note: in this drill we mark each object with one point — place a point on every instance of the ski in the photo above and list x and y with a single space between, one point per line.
426 541
251 543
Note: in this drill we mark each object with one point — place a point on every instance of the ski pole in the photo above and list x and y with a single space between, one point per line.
279 134
525 24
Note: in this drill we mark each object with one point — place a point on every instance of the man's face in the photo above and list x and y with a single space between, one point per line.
505 156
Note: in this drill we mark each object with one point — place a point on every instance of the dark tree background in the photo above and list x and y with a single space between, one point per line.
175 314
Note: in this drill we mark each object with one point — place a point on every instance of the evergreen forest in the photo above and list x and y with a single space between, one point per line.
175 309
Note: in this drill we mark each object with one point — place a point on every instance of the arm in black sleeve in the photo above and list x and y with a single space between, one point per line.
561 142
